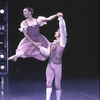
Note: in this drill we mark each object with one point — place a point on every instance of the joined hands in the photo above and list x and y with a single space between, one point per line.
59 14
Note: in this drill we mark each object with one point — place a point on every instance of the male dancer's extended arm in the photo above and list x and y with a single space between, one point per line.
63 32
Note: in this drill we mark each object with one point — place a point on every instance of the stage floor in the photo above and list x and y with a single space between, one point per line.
31 86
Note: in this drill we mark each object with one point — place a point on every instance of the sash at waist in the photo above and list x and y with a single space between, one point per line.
55 60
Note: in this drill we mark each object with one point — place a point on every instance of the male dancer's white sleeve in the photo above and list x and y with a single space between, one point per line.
63 32
45 51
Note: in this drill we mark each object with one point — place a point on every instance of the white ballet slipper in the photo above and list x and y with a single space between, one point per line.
14 58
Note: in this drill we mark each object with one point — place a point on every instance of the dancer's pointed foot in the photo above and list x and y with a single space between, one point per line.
14 58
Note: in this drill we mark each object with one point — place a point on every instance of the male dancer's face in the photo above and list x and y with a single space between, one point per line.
57 34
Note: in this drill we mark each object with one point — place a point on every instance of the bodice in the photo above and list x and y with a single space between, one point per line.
33 31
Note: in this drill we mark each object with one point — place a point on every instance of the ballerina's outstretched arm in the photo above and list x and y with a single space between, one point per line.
50 17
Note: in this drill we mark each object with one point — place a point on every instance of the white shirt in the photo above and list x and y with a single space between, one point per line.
63 39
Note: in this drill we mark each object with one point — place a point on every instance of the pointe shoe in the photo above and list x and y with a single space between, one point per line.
14 58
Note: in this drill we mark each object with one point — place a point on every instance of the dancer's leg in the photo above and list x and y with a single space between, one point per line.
49 77
58 94
58 74
17 55
48 93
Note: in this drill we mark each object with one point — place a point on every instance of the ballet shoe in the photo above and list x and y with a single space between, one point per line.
13 58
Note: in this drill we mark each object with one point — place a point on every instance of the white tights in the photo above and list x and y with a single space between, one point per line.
53 71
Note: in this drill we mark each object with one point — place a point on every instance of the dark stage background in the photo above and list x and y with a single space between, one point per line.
81 54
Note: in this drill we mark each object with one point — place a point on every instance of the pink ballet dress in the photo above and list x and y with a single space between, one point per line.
28 47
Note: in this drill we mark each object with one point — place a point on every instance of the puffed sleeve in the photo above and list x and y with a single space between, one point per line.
23 26
40 21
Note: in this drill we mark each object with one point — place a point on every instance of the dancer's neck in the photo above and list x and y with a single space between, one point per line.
30 18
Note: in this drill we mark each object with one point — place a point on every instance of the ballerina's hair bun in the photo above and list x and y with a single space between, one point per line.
30 9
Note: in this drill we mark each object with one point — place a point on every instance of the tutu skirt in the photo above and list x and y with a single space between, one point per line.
30 50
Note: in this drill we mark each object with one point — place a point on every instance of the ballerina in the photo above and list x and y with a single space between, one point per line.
30 28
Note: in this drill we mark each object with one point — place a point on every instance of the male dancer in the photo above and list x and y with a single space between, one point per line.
55 52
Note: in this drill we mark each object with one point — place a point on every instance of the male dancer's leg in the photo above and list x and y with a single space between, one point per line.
49 80
58 75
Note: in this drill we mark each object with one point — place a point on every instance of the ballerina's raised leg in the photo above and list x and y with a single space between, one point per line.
17 55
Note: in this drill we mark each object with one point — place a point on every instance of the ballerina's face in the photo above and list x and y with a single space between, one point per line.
26 13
